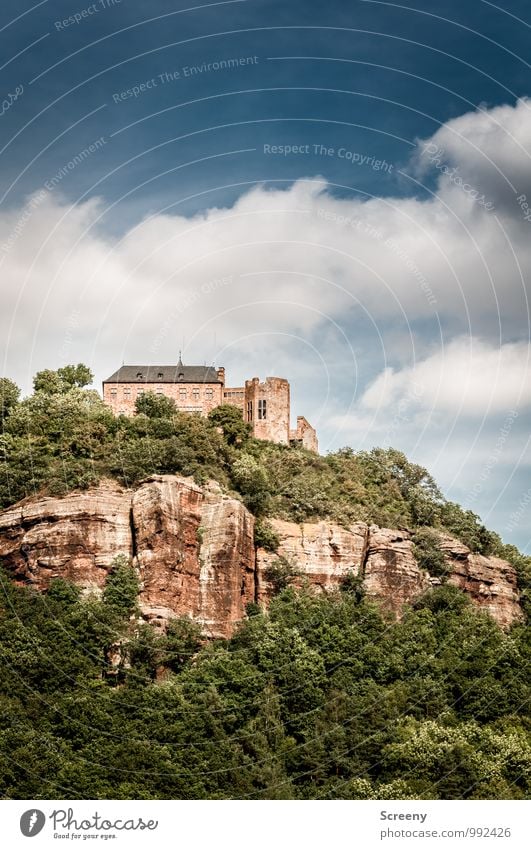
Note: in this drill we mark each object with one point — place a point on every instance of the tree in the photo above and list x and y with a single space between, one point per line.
265 536
428 553
252 481
72 376
9 395
467 526
182 642
280 574
122 587
231 422
68 377
155 406
47 381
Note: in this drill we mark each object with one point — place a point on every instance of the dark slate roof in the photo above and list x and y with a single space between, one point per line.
164 374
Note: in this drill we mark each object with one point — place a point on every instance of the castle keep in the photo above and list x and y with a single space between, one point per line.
198 389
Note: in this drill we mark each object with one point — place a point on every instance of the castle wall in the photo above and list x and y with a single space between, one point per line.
265 405
189 397
267 408
235 396
305 435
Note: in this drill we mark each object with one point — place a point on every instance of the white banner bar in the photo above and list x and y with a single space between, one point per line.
266 825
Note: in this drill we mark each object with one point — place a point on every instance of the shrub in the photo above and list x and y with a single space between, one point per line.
122 587
265 536
281 574
428 553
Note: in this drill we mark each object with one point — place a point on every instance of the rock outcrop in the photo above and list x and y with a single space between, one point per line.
391 571
75 537
194 551
489 581
323 552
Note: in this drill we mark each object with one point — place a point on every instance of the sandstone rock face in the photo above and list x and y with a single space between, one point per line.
75 537
194 550
489 581
195 553
227 563
166 514
324 553
391 572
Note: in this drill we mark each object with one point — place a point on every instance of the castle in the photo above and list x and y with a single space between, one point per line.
199 389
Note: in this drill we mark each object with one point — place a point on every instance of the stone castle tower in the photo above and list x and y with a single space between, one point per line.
199 389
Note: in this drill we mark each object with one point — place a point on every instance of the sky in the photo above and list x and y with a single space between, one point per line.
336 193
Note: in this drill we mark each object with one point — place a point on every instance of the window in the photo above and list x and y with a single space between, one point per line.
159 391
195 394
140 393
139 375
127 392
182 394
249 411
113 392
160 375
209 393
262 410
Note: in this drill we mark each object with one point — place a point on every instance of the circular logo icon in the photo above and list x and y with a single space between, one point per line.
32 822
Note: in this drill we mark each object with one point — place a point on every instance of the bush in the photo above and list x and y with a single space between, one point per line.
231 422
265 536
122 587
281 574
428 553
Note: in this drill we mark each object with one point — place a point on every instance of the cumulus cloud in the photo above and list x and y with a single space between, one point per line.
489 149
283 278
400 321
467 377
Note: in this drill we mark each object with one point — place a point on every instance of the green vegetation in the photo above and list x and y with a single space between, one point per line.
281 574
428 553
265 535
321 697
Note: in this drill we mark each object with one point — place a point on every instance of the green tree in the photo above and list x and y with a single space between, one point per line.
155 406
75 376
265 536
122 587
68 377
182 642
467 527
281 574
251 479
428 553
9 395
231 422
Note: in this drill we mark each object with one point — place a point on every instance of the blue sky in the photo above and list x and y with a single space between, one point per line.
333 193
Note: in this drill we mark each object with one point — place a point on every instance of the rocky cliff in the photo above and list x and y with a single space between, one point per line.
194 551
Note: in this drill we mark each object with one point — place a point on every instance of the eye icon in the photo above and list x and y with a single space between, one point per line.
32 822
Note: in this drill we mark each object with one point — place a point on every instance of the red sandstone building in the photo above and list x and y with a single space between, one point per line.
198 389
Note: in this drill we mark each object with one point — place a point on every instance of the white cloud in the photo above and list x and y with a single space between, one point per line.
467 377
489 148
299 273
386 314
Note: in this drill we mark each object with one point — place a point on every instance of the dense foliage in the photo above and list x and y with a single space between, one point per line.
319 698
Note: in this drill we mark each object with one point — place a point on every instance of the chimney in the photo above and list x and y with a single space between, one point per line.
221 375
